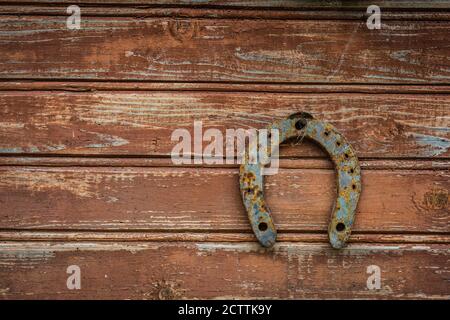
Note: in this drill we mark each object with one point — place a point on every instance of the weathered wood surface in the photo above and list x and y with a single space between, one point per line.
225 50
141 123
208 199
144 11
85 123
242 4
222 270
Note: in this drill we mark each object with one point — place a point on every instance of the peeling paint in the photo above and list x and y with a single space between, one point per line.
435 145
107 140
37 180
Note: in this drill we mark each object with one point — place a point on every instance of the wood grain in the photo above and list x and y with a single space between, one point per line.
141 123
413 52
168 11
222 270
241 4
208 199
86 118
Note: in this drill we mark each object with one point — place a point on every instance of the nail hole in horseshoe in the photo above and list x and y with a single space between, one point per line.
300 124
340 227
262 226
353 186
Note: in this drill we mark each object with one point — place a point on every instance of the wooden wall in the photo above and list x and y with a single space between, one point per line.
86 118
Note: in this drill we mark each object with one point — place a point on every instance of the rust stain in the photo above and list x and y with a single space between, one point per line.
165 290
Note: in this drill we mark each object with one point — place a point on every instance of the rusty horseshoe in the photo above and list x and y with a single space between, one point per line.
348 173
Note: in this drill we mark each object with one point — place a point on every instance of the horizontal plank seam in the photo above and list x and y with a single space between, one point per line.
19 161
235 13
231 90
219 231
193 239
209 241
165 156
228 8
236 18
278 83
199 5
205 167
193 4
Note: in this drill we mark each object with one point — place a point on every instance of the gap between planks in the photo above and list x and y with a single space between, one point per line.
145 12
134 86
291 163
135 236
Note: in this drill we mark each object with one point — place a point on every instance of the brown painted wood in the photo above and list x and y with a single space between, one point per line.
141 123
242 4
208 199
225 50
222 270
85 123
417 14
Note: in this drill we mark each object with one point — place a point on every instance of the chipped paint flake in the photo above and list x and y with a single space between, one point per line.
435 145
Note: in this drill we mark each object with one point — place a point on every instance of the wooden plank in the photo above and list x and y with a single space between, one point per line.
241 4
141 123
221 270
411 14
208 199
225 50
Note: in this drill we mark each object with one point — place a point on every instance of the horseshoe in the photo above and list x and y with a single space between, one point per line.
348 174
